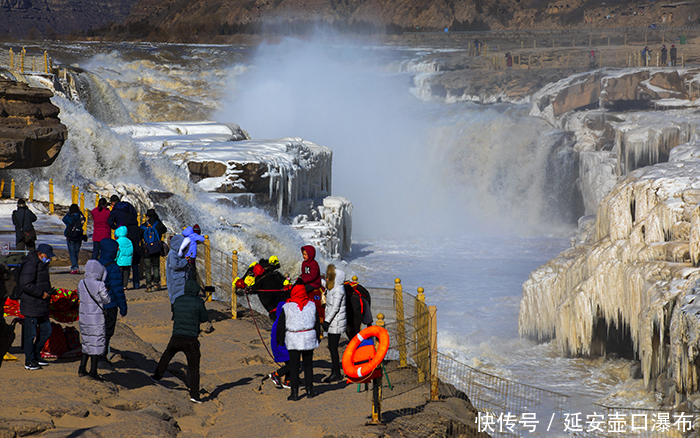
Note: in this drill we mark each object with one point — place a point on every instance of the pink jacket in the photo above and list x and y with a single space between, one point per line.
101 229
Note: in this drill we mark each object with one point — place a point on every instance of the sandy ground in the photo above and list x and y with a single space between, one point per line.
238 400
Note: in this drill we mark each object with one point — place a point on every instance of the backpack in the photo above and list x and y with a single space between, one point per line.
354 288
74 231
151 239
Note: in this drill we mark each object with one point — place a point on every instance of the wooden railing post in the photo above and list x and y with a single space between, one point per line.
234 274
432 311
400 322
51 207
207 264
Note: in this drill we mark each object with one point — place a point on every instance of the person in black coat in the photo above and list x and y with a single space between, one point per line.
123 213
35 283
23 219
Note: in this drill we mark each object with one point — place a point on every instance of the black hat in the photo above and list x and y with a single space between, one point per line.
151 212
46 249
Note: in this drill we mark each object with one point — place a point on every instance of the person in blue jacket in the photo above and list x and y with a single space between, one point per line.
74 221
280 377
115 287
188 248
125 253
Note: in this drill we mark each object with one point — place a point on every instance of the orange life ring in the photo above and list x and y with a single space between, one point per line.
357 371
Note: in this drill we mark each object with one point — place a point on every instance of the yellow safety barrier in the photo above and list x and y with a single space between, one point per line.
398 304
51 207
12 189
234 274
31 192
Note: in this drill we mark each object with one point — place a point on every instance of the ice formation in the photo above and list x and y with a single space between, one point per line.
630 284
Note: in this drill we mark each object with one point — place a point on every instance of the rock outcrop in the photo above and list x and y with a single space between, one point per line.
31 135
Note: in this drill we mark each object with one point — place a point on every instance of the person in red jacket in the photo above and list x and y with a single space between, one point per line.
311 279
310 272
100 227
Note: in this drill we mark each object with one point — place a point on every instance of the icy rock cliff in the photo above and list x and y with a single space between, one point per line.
630 284
624 287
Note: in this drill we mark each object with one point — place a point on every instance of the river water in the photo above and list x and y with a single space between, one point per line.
461 199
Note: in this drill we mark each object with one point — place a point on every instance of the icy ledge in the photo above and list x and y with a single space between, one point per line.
630 285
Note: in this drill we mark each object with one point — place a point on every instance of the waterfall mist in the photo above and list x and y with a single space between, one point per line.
408 166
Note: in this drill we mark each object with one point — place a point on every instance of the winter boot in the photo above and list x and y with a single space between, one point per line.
82 369
294 396
310 391
93 368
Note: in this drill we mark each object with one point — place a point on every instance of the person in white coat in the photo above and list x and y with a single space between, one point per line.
299 329
93 297
336 319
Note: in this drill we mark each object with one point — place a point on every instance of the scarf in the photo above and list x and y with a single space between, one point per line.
299 296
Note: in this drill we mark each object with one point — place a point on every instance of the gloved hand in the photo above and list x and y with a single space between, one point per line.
122 312
325 325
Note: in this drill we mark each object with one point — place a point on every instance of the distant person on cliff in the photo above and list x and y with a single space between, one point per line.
673 55
646 56
100 226
23 219
664 55
335 318
477 47
188 313
125 253
151 246
93 297
124 214
35 284
115 288
74 221
591 60
509 61
188 248
298 328
176 269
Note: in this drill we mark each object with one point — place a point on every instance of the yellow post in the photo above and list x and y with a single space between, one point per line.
33 63
657 59
85 212
97 199
12 59
31 192
46 62
22 54
72 194
534 43
434 390
234 274
12 189
162 264
400 322
2 187
625 39
82 201
421 335
51 196
207 264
